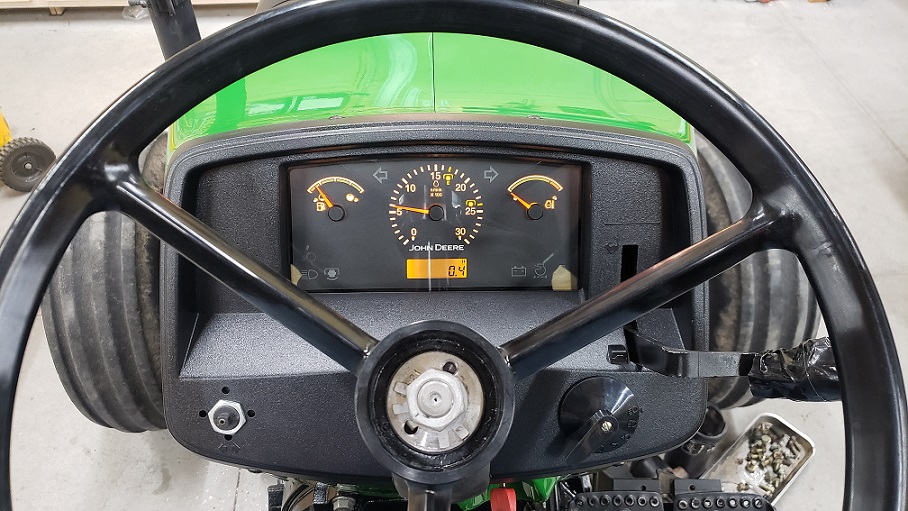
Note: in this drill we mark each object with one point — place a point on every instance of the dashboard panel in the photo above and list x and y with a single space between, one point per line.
636 200
435 222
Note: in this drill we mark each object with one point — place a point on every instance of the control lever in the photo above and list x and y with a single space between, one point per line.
591 436
806 372
598 414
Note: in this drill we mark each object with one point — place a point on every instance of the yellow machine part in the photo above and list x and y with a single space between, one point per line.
5 135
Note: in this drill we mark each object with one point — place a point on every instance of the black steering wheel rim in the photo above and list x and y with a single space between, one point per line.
99 173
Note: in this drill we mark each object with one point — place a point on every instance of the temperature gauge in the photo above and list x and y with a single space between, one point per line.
331 194
536 194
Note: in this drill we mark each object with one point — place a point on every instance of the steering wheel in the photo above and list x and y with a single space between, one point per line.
789 211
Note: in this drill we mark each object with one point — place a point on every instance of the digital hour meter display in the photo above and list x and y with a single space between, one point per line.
436 269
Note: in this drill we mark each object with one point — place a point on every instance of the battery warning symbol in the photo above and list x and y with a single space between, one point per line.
518 271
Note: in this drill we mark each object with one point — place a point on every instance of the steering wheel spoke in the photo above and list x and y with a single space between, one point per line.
273 294
651 288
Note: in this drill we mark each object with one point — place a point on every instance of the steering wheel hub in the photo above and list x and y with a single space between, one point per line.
436 402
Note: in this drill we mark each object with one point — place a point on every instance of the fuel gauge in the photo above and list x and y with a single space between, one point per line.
536 194
331 194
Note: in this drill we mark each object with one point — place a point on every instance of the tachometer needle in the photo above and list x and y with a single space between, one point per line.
406 208
521 201
324 197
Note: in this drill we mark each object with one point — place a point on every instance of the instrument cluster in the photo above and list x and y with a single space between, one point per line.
435 222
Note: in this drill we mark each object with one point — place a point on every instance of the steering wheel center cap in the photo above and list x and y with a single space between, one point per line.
435 402
438 399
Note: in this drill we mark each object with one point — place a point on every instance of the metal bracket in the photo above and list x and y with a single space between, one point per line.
174 23
651 354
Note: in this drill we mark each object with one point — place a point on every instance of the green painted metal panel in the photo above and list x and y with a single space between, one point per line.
484 75
425 73
375 75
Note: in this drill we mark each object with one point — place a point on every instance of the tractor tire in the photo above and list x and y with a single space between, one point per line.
23 162
763 303
101 316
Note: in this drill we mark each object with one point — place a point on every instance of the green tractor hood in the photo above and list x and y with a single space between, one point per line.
428 73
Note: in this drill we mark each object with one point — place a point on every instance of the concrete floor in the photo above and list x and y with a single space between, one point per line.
831 77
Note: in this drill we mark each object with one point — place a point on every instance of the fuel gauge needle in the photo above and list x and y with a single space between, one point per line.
521 201
324 197
407 208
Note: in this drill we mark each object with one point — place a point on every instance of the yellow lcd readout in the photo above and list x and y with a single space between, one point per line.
436 268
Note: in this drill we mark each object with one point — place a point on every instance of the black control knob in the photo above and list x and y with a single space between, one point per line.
597 415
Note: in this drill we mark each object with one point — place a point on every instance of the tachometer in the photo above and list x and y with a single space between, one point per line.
435 204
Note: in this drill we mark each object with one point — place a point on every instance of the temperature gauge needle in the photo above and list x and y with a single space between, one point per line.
324 197
521 201
534 210
415 210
